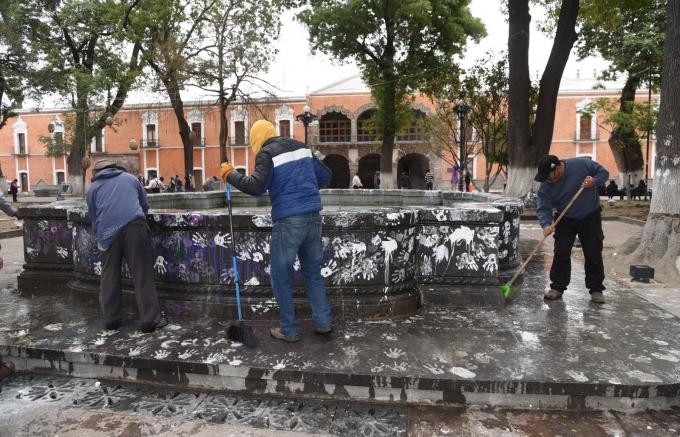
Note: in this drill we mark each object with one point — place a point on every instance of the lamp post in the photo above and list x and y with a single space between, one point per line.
306 118
462 110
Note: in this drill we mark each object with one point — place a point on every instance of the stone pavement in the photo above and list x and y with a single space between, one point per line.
55 405
529 354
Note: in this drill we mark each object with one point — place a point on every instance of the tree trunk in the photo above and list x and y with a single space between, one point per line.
525 150
659 242
223 130
565 37
625 143
172 88
521 166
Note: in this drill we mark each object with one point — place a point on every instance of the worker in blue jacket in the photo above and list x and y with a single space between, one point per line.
292 175
560 180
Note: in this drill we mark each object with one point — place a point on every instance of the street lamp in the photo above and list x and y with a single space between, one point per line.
306 118
462 110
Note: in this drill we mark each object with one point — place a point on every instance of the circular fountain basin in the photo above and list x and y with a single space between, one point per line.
382 249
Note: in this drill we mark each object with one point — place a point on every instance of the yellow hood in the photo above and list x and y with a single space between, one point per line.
261 131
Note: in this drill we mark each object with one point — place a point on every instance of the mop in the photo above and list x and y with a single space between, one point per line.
239 332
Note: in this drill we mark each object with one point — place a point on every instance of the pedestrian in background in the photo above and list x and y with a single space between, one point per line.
376 180
429 179
14 190
356 181
117 207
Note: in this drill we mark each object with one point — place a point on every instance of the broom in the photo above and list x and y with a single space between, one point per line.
506 288
239 332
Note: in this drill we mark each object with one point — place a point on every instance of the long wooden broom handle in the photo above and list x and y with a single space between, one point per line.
540 243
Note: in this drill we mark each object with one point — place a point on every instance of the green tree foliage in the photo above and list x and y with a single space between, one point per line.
240 36
84 60
399 46
630 35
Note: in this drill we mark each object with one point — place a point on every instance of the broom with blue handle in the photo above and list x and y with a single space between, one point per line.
239 332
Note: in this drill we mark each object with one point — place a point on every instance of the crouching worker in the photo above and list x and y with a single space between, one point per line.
292 175
117 207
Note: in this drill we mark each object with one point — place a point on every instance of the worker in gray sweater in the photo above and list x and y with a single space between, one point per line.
560 180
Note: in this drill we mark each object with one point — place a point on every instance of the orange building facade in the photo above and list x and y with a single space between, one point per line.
342 133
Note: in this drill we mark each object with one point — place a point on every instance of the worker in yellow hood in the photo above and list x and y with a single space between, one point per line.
260 132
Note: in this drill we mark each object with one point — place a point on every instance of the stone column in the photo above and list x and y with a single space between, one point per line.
353 158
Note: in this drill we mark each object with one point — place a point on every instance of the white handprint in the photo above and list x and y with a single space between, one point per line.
134 351
159 355
214 358
199 240
222 240
351 351
62 252
281 364
98 268
435 370
187 354
398 367
394 353
329 268
31 252
161 265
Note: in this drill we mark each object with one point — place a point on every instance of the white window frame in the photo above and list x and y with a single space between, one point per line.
284 113
20 127
196 116
147 119
93 144
580 106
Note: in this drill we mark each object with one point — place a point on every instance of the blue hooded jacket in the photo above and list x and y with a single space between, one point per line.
114 199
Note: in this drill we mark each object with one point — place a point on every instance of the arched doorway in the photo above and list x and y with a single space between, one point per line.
368 165
415 165
340 168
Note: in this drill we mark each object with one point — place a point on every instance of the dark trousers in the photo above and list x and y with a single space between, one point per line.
134 244
14 196
589 231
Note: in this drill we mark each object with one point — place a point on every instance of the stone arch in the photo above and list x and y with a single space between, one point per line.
336 127
368 165
422 108
415 165
339 166
363 108
334 108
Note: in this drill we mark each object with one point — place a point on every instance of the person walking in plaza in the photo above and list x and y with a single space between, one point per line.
429 179
356 181
14 190
404 180
455 172
376 180
560 180
117 207
292 175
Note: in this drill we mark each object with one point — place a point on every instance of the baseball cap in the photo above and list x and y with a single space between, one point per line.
545 166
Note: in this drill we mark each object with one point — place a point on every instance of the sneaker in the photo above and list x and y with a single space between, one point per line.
163 321
323 331
553 295
597 297
277 334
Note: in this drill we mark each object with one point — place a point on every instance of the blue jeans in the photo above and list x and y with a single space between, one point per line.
298 235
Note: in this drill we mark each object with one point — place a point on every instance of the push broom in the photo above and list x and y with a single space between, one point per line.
506 288
239 332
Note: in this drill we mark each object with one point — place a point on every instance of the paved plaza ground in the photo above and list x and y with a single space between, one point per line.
499 363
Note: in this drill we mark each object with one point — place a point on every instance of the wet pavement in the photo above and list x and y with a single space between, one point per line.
54 405
528 354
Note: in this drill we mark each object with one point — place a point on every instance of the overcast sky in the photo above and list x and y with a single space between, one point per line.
297 71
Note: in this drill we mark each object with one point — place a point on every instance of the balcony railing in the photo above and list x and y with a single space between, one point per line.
150 144
587 138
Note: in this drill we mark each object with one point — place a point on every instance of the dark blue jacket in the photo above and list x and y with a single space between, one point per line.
292 175
114 199
558 194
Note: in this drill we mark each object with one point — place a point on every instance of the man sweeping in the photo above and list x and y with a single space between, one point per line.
292 175
560 181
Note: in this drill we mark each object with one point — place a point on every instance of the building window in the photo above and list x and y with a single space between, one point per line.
335 127
21 144
585 127
196 129
284 128
151 173
366 127
24 181
98 143
239 133
61 177
151 140
414 131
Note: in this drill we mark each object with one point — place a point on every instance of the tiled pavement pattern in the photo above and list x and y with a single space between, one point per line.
327 418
